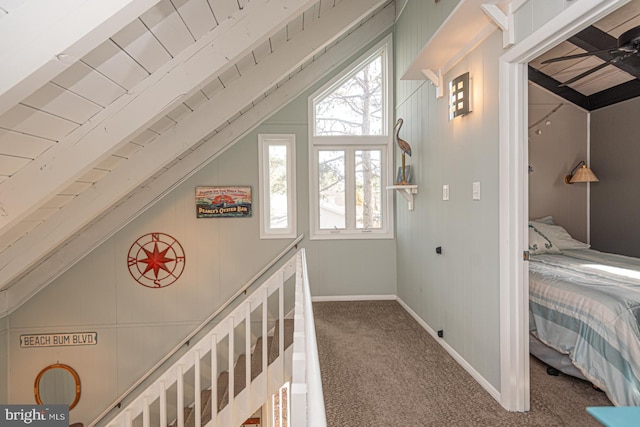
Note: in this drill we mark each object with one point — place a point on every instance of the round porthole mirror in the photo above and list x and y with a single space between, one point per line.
57 384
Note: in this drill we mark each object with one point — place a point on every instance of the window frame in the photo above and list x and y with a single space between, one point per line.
265 141
354 143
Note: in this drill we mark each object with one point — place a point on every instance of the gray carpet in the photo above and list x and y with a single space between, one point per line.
380 368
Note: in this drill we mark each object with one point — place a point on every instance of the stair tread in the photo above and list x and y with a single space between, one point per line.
288 338
239 374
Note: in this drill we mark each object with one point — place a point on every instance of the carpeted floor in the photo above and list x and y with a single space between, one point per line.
380 368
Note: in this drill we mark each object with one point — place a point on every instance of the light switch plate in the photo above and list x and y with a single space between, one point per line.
476 191
445 192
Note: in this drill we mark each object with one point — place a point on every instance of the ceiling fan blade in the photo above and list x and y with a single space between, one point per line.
585 74
579 55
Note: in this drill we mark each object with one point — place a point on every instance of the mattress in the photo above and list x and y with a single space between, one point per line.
586 304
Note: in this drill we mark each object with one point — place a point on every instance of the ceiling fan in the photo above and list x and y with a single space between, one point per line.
628 43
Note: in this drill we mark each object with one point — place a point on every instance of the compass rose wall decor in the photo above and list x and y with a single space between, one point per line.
156 260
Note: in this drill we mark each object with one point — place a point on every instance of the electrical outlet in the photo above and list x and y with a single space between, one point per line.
445 192
476 191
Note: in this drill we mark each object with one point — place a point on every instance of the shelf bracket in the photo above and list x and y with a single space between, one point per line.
437 81
406 191
504 21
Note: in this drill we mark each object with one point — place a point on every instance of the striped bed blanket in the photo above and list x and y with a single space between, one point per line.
586 304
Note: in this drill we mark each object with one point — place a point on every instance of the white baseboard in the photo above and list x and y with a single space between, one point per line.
354 298
465 365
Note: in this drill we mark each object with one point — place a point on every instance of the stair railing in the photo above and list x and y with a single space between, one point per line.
307 399
153 400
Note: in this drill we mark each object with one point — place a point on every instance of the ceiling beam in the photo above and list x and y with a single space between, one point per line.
41 38
552 85
592 38
44 267
134 111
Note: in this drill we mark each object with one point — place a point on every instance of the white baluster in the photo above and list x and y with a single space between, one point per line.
163 404
197 387
214 379
180 395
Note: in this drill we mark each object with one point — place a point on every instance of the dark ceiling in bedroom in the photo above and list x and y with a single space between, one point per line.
594 80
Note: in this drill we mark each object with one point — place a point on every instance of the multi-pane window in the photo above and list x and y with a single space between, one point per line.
350 146
277 186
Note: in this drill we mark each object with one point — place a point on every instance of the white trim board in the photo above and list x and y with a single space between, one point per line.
354 298
513 196
461 361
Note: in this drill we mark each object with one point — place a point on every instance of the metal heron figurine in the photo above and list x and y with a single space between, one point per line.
404 147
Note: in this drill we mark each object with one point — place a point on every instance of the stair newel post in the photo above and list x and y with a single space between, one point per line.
180 395
247 350
214 379
231 388
197 388
146 422
163 403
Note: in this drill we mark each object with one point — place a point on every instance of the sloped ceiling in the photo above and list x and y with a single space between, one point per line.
106 106
615 80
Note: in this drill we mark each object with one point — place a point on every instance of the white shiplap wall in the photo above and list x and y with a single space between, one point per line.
457 291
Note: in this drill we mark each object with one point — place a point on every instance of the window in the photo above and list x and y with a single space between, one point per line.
350 145
277 171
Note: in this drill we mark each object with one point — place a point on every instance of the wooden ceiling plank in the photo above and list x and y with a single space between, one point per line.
601 80
628 12
246 63
11 164
223 9
93 176
42 38
197 16
62 103
210 90
137 109
166 24
86 82
23 145
128 150
278 40
116 65
75 189
179 112
31 121
93 203
262 51
142 46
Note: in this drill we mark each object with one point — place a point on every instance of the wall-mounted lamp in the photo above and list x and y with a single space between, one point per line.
581 174
460 96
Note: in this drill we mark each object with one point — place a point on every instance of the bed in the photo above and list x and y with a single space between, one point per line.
585 309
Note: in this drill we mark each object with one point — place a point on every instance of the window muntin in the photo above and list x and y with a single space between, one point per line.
349 152
368 181
277 186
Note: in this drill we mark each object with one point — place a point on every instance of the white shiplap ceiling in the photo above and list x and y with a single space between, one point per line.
106 106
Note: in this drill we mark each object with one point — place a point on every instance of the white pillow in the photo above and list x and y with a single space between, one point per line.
539 244
558 236
545 220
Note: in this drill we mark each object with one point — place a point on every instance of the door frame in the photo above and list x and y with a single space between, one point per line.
514 195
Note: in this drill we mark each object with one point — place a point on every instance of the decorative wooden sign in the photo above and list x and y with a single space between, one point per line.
223 202
156 260
58 339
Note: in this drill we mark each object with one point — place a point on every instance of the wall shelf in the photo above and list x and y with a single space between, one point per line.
448 45
407 191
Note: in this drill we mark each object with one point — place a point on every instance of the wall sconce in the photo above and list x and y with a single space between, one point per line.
581 174
460 96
